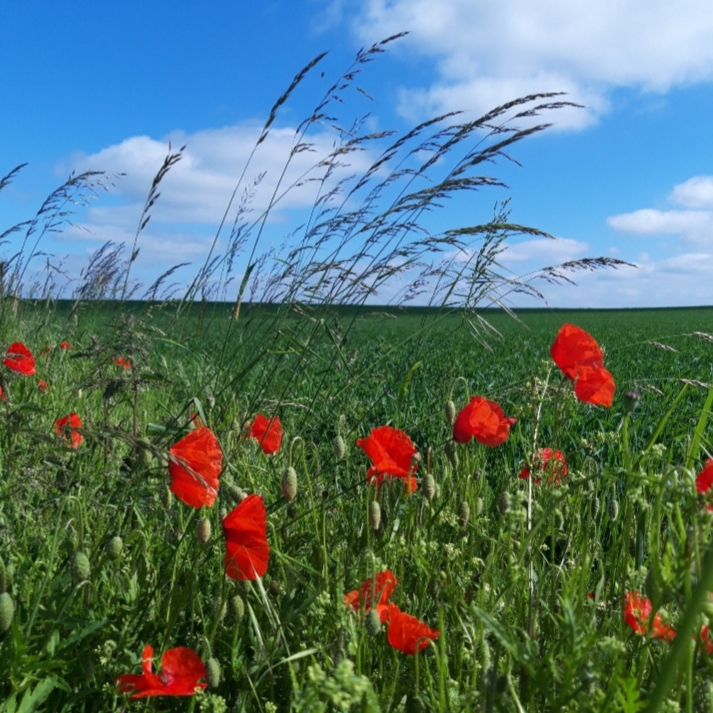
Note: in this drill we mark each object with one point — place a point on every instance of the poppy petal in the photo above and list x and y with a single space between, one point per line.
407 633
483 420
247 550
195 464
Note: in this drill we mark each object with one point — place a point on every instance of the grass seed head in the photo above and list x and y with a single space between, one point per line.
7 611
79 567
203 530
289 483
429 486
114 547
374 514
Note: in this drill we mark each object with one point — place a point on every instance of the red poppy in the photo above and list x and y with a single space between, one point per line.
581 360
42 385
706 639
547 460
70 422
370 592
406 632
246 548
123 362
637 612
181 669
269 433
704 481
65 345
3 395
19 358
483 420
392 453
194 464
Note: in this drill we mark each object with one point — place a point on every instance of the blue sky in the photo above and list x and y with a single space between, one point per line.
107 86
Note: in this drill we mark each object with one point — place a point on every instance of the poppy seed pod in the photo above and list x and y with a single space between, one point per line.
374 514
631 400
236 609
114 547
450 412
203 530
7 611
79 567
504 503
613 509
339 447
429 486
372 622
289 483
464 514
212 668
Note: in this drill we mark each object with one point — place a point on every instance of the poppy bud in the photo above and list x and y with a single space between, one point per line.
374 514
292 511
429 486
219 608
631 400
203 530
450 412
236 608
289 483
237 495
339 447
167 498
479 506
504 503
372 622
464 514
595 506
212 668
5 577
79 567
613 509
274 588
451 453
7 611
114 547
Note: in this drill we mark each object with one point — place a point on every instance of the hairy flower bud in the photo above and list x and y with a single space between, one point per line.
7 611
374 514
631 400
236 608
203 530
613 509
289 483
114 547
464 514
212 668
450 412
451 453
504 503
372 622
479 506
237 495
429 486
339 447
79 567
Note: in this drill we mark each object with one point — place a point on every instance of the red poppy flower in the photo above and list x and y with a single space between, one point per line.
19 358
547 460
65 345
194 464
704 481
483 420
406 632
637 612
706 639
42 385
581 360
370 592
3 395
392 453
70 422
269 433
123 362
181 669
246 548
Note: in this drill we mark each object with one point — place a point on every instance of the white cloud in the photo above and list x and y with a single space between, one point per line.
650 221
542 252
487 51
696 192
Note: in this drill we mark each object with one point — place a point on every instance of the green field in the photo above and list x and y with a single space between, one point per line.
507 590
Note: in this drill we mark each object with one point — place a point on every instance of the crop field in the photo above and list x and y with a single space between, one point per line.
282 507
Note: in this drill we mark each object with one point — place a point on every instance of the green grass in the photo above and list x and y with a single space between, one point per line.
297 647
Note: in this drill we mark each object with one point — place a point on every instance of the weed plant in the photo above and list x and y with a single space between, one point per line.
526 583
